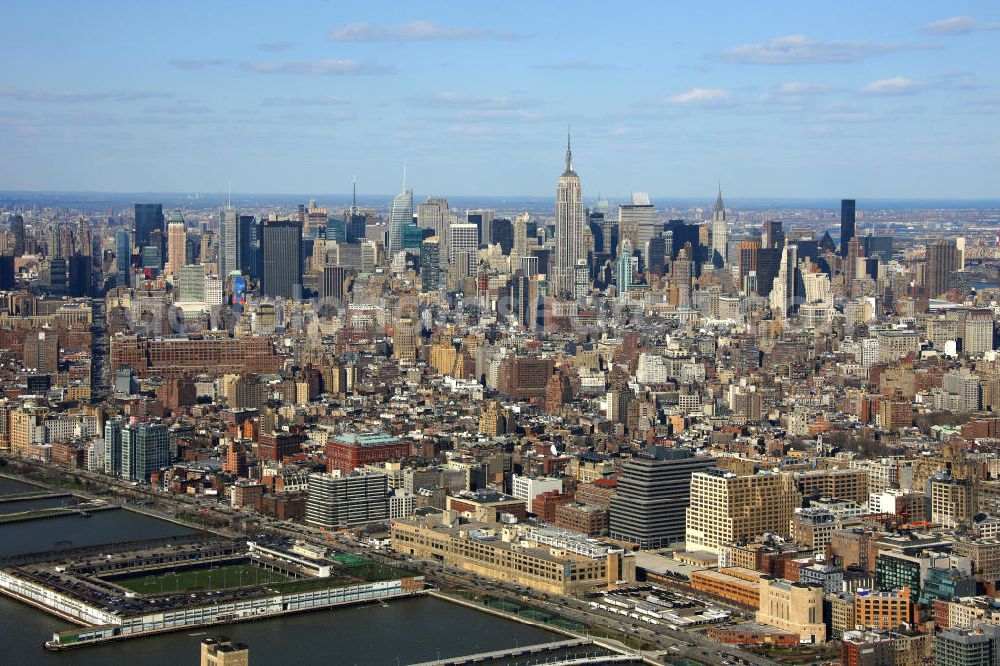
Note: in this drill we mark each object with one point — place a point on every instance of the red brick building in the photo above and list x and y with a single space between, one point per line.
277 445
349 452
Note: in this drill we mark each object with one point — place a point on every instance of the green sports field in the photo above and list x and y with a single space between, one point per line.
227 576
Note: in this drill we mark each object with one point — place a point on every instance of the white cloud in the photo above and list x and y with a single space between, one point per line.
957 25
450 99
798 88
846 117
327 67
191 65
67 97
897 85
498 114
800 49
414 31
702 97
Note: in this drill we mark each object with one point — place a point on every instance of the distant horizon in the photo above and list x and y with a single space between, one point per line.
383 199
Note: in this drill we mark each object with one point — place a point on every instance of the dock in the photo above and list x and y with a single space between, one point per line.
576 651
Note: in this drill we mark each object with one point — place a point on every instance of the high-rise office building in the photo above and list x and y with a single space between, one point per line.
483 219
145 449
176 245
653 494
942 261
502 234
400 215
570 225
17 228
623 274
434 214
248 239
149 226
191 283
783 292
464 238
720 232
847 224
771 235
342 501
430 264
229 242
123 258
336 230
332 286
282 259
636 222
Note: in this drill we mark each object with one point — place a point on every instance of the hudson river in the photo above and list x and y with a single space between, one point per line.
401 632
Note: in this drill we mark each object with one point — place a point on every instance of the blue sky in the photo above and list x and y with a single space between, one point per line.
797 99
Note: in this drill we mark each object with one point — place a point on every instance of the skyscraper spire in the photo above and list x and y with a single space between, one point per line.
354 193
404 176
569 153
719 206
229 197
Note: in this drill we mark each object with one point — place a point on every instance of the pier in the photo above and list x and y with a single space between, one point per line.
566 653
53 512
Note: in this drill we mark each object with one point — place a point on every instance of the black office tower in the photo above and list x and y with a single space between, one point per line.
149 225
248 246
282 260
846 224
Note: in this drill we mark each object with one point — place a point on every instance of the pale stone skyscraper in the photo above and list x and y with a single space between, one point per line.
720 233
570 224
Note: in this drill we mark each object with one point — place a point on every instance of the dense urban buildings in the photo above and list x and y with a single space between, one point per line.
567 398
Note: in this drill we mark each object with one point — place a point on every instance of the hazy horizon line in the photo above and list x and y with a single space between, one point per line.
348 195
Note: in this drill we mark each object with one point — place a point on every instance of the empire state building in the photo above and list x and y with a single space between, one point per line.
570 225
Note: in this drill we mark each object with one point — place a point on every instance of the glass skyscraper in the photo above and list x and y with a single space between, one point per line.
400 215
282 259
847 220
123 257
149 226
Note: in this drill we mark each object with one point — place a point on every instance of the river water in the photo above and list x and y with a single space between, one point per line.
401 632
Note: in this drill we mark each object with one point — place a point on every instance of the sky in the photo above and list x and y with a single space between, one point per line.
782 99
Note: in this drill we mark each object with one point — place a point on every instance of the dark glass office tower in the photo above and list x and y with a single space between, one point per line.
248 250
149 226
502 232
846 224
282 260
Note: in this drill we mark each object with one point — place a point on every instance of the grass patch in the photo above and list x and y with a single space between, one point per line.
348 560
216 578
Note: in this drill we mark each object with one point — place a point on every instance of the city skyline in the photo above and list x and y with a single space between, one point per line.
811 103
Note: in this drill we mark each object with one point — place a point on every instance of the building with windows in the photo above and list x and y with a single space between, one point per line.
334 501
653 494
725 507
795 607
145 448
548 560
282 259
570 226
